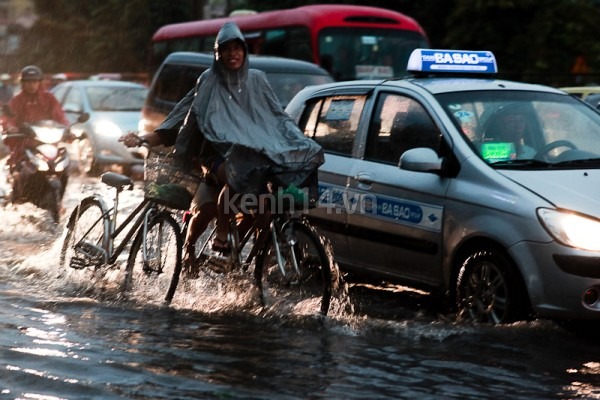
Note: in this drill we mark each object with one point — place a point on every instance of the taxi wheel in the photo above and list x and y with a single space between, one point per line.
489 289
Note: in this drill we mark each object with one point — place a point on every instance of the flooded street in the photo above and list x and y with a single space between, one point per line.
66 335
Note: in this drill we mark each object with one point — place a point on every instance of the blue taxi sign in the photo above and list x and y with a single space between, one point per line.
453 61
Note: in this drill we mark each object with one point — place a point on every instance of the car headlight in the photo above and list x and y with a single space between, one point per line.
107 128
571 229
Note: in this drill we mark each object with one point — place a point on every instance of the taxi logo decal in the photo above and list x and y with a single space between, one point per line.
338 200
458 61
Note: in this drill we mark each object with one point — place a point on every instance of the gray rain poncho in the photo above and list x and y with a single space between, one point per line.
239 114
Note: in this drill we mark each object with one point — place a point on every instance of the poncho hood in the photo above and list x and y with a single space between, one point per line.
241 117
230 32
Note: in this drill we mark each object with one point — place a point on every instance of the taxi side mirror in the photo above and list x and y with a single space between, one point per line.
421 159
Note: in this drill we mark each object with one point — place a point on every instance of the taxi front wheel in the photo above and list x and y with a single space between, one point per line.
489 289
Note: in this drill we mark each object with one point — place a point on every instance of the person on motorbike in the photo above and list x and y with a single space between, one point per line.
32 104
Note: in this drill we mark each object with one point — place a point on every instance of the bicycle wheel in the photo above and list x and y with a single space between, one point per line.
154 259
86 236
307 287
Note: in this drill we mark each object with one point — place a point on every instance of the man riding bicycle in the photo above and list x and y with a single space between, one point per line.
234 126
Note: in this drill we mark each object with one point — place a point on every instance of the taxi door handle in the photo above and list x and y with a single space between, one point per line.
363 180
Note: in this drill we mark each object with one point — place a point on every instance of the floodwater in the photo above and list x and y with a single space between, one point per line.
67 336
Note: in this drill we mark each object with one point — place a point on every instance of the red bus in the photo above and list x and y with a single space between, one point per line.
351 42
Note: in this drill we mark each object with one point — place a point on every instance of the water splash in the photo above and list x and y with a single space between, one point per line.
30 247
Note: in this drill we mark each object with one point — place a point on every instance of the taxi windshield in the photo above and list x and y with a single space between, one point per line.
522 128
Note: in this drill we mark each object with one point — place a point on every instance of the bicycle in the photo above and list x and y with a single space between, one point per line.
292 261
95 238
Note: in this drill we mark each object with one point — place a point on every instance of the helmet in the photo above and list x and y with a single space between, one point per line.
31 73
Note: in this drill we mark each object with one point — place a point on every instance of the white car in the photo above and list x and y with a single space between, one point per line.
486 191
114 108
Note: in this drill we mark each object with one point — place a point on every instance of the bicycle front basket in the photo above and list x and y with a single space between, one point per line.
167 182
300 195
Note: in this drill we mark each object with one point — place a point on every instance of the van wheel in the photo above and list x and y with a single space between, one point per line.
489 289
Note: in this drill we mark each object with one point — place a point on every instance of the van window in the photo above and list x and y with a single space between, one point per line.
332 122
174 81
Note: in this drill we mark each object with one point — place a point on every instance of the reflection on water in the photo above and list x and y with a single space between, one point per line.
66 335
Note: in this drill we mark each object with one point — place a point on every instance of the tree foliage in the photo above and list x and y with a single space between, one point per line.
97 36
537 40
533 40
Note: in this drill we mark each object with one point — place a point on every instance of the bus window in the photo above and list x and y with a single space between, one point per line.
367 53
293 42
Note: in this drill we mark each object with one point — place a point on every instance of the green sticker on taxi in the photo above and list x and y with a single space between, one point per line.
499 151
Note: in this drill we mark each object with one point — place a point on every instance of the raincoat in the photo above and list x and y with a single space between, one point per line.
238 113
30 108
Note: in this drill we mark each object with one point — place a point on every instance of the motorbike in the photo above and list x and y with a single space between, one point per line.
38 163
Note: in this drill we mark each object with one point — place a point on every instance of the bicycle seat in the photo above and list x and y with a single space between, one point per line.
116 180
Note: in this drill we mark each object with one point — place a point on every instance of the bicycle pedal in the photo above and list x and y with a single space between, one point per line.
90 251
78 263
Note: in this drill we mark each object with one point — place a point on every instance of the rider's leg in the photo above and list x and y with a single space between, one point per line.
224 210
204 210
201 217
223 215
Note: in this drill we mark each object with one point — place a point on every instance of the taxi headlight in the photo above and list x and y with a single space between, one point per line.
571 229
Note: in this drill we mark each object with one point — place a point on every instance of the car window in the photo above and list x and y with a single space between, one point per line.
59 93
332 122
541 126
72 100
398 124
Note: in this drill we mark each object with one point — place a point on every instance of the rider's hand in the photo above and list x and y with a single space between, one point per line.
131 139
12 130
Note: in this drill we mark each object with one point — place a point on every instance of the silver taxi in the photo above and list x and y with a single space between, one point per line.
484 190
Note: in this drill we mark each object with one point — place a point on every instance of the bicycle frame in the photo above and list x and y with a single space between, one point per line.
284 251
115 230
139 217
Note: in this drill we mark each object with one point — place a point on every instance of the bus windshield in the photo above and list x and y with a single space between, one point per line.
366 53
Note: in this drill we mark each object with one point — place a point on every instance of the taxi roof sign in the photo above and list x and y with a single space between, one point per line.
452 61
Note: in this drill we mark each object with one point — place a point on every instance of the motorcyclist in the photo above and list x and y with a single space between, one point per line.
32 104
